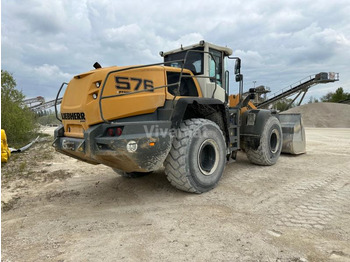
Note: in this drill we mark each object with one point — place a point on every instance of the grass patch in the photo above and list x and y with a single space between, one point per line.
22 166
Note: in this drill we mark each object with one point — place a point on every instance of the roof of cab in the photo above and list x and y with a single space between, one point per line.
227 51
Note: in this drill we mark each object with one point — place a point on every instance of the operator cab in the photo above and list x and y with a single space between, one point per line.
206 61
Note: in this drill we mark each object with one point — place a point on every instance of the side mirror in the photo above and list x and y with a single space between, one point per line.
238 66
239 77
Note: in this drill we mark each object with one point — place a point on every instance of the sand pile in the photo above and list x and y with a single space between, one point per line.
324 114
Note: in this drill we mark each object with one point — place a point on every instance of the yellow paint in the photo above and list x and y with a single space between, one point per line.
78 97
234 101
5 151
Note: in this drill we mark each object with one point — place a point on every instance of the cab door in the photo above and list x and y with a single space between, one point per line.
216 74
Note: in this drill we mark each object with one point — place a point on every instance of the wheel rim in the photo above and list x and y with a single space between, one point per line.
274 141
208 157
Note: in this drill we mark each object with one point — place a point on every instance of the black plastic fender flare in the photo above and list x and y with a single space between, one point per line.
183 103
252 125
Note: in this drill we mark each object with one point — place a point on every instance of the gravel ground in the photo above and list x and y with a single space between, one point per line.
55 208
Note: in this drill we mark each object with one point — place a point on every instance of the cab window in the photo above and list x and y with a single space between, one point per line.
194 60
187 86
215 68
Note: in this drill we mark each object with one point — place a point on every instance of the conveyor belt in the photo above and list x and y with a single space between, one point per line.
301 86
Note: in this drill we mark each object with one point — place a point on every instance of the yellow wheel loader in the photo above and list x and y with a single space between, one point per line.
177 114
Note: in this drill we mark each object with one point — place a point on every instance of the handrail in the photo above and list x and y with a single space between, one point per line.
291 86
58 94
299 82
203 52
129 93
183 61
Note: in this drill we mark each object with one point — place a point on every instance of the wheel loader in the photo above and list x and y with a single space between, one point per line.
177 113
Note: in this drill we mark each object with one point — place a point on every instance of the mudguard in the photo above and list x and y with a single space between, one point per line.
252 125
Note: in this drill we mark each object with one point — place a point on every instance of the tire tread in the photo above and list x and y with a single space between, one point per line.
259 156
175 161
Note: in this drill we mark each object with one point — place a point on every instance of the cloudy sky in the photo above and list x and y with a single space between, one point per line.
47 42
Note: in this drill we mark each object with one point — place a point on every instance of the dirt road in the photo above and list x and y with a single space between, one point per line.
297 210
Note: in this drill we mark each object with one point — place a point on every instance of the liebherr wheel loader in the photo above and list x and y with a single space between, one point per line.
177 114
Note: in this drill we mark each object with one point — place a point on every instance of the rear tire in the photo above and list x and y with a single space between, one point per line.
270 146
197 158
131 174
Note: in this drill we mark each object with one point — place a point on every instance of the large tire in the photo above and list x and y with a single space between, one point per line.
270 145
197 158
130 174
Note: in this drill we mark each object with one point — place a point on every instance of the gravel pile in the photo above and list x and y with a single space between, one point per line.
324 115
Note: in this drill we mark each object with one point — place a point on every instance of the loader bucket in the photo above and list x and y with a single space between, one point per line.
293 134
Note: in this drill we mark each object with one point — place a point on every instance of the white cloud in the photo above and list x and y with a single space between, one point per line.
124 33
58 47
279 42
50 71
251 58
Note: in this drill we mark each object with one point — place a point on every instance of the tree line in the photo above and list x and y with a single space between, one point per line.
338 96
20 123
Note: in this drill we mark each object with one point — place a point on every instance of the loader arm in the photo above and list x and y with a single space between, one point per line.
293 130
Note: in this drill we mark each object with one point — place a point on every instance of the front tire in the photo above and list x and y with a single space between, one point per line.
270 146
197 158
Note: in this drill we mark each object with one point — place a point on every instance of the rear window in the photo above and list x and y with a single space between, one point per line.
194 60
187 86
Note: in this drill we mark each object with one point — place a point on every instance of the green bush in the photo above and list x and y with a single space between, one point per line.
48 118
17 119
337 96
283 104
